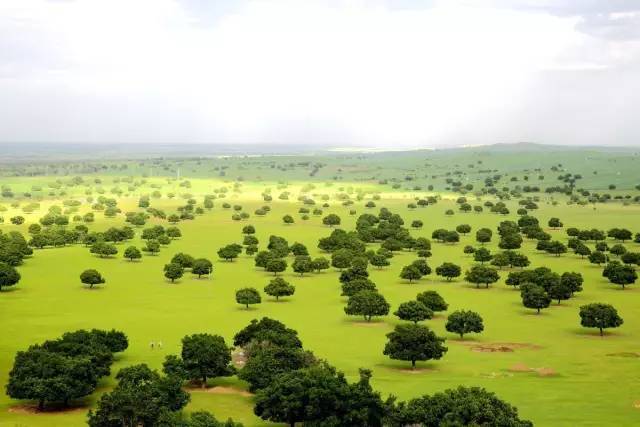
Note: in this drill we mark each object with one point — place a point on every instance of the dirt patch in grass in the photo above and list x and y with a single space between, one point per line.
226 390
519 367
546 372
636 404
629 354
494 375
499 347
543 372
33 410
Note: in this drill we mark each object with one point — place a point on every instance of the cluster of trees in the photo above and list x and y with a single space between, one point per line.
424 307
507 258
13 248
143 397
540 286
58 371
293 386
56 236
181 262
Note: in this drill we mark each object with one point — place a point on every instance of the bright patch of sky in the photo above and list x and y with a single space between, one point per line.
345 73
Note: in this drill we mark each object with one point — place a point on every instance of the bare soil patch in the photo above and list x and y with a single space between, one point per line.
629 354
227 390
543 372
494 375
519 367
546 372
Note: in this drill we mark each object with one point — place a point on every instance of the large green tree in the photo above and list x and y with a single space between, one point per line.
601 316
414 342
367 304
278 287
463 322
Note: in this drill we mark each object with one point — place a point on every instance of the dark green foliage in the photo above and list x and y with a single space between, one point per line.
601 316
64 369
9 276
173 271
202 266
141 398
432 300
367 304
448 270
247 296
132 253
230 252
414 342
463 406
534 296
319 395
103 249
204 356
279 287
619 274
573 281
302 264
91 277
182 259
413 311
463 322
480 274
276 265
266 361
268 330
356 285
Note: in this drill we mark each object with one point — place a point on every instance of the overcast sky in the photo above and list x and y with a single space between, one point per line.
386 73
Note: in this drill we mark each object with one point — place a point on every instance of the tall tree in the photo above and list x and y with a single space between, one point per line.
414 342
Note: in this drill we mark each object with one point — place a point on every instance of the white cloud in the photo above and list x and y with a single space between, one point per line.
280 71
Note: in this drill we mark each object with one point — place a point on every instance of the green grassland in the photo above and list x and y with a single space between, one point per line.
588 384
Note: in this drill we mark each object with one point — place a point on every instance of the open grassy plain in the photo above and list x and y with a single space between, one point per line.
547 365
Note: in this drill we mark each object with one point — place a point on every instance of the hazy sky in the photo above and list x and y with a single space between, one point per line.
397 73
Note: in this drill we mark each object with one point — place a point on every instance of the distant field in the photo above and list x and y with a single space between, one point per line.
557 373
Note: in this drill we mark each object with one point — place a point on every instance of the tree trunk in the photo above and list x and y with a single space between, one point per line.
538 311
41 404
461 335
204 381
601 332
413 364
